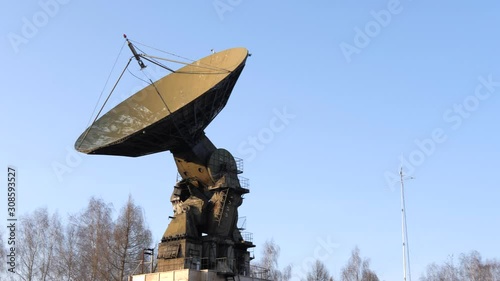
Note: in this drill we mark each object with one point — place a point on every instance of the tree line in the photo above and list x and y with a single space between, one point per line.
468 267
94 244
91 245
356 268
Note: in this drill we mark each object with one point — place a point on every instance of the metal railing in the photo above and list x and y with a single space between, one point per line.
247 236
239 165
225 265
244 182
259 272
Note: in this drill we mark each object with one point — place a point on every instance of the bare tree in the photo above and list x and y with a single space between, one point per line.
269 261
27 250
38 233
447 271
357 269
286 273
66 250
352 270
90 247
368 274
3 253
319 272
131 237
52 235
5 275
270 254
471 268
94 229
495 270
433 273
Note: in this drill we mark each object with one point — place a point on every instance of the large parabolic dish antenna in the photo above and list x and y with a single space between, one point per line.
170 113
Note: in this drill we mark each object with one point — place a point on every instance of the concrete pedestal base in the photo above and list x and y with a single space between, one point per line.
190 275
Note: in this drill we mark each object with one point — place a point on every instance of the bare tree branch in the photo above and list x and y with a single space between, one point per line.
269 260
319 272
357 269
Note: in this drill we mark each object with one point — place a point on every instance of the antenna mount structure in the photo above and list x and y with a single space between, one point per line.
171 114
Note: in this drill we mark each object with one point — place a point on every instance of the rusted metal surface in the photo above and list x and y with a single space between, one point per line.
166 115
171 115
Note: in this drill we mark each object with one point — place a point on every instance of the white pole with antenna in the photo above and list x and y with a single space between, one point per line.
404 232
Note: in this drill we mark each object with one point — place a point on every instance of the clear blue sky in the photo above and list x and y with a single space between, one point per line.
365 87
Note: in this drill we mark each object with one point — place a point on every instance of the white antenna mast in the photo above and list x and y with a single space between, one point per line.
404 232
